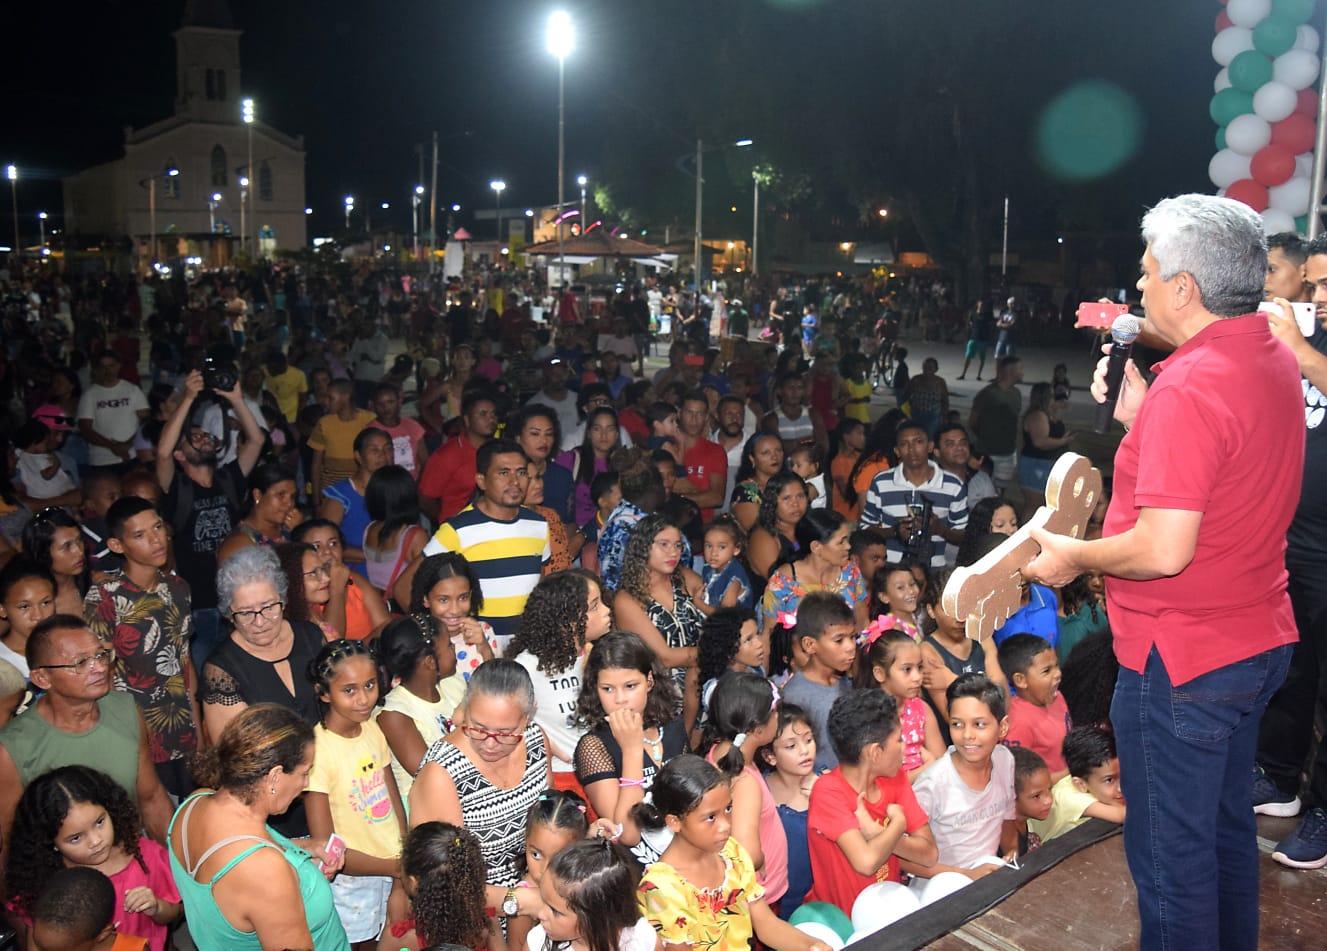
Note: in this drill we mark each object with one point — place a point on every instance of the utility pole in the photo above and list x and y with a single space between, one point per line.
433 207
755 223
700 185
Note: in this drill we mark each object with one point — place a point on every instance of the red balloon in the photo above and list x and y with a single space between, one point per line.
1308 103
1273 165
1249 192
1295 133
1223 20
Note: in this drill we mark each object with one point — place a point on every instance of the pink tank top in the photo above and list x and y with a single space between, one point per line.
773 841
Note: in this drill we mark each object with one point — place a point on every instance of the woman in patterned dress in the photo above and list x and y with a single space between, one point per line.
486 774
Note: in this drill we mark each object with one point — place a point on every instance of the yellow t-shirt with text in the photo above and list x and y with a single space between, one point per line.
353 772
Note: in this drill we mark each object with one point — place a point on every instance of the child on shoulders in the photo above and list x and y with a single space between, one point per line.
1038 714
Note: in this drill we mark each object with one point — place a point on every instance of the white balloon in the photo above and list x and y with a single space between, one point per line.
882 904
1228 167
1307 39
1304 165
821 932
1222 79
1277 222
1296 68
1247 134
1248 13
943 885
1292 197
1274 101
1230 42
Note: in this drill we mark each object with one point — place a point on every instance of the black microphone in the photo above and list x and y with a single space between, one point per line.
1123 332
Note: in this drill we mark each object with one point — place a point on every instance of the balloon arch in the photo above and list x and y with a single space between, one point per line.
1266 108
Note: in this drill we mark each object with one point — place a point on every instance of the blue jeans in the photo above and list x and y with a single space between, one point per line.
1186 768
208 635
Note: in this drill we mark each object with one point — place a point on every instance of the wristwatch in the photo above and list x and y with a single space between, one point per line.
509 906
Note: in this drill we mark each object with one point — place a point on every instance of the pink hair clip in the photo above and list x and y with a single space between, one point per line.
581 810
787 618
885 622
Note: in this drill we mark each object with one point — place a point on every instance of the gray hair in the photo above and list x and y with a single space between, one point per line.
256 563
1219 242
501 677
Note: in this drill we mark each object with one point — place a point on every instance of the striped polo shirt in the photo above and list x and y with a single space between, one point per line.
506 556
887 504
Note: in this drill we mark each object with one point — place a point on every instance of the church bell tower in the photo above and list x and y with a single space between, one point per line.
207 63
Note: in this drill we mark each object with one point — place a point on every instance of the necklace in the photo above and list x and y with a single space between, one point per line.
655 745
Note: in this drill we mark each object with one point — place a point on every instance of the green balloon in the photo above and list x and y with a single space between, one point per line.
822 912
1296 11
1275 35
1302 224
1229 103
1220 138
1250 70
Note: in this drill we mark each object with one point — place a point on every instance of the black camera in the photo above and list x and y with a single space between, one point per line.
219 375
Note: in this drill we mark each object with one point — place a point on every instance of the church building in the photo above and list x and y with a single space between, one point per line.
187 173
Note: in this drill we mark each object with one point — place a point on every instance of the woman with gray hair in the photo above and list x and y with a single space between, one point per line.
264 658
486 774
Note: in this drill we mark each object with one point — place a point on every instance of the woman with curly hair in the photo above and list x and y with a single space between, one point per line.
774 539
565 615
729 640
628 706
653 601
443 871
75 816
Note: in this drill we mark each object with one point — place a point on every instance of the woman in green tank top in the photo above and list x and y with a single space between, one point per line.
244 885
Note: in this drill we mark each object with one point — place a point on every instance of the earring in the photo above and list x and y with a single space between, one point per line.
271 790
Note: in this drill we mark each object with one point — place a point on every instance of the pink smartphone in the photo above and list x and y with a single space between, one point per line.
335 850
1099 316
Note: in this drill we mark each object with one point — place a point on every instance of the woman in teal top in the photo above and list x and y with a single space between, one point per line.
244 885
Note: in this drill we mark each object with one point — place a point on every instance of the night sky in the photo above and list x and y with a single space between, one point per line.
365 81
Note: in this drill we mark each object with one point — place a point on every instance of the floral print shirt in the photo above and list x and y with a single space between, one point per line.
708 919
150 630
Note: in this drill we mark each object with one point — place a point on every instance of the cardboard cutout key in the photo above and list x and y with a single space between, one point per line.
984 595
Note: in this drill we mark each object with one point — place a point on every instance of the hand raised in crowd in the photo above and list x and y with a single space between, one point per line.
193 383
1283 325
628 728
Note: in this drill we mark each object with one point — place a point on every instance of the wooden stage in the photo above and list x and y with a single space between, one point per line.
1087 902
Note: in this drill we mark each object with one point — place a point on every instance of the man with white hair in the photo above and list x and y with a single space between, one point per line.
1193 548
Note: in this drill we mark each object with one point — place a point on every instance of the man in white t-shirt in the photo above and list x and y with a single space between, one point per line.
731 436
109 414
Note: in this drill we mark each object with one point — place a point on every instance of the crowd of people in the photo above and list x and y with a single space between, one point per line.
504 643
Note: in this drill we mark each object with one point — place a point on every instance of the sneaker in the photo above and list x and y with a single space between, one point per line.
1306 847
1268 800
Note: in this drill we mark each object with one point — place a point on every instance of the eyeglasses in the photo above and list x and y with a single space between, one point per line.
665 544
202 437
322 571
477 734
101 658
271 612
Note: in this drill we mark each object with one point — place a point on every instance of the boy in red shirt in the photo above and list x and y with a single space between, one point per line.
1038 715
863 816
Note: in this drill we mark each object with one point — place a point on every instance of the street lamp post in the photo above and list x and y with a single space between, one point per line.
152 210
244 204
350 206
414 216
497 185
41 230
561 38
212 203
700 194
582 181
248 114
755 222
11 172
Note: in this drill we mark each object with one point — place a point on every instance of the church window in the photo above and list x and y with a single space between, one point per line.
265 182
218 166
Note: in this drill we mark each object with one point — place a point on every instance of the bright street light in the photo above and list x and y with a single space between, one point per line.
244 181
582 181
529 212
456 207
883 212
41 215
419 189
11 171
742 143
498 186
350 206
172 172
386 205
247 111
308 211
560 35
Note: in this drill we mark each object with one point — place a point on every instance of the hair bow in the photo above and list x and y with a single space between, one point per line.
788 619
885 622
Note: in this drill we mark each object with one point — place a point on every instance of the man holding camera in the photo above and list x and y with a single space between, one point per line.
203 500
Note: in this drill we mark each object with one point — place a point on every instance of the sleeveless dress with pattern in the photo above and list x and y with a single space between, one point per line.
496 816
679 627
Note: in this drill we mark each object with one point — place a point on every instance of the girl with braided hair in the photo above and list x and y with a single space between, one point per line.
351 790
443 871
76 816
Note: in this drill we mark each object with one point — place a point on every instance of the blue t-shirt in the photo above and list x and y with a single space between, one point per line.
354 518
809 324
1039 616
799 860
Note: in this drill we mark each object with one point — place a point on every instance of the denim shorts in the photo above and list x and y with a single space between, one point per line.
1033 473
361 904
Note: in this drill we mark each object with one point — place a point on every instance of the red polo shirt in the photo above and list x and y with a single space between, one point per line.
702 460
1221 432
449 475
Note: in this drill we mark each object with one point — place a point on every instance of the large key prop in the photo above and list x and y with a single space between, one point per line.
984 595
